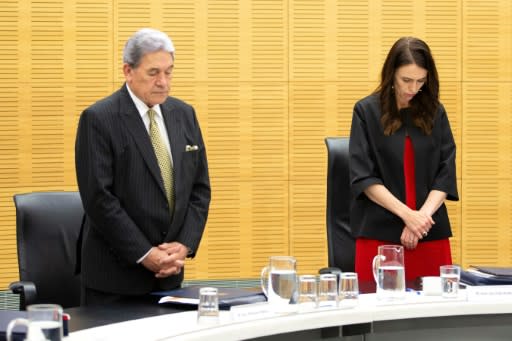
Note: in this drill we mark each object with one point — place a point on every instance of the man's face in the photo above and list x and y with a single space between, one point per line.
150 81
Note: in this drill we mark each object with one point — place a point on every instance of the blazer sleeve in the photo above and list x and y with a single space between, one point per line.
363 170
446 177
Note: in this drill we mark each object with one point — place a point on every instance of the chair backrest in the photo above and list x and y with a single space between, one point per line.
47 229
340 242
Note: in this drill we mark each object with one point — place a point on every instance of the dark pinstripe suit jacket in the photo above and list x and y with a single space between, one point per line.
123 194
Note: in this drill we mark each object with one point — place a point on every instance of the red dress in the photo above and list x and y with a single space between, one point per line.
426 258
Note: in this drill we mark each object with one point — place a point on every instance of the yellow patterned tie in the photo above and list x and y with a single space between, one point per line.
164 160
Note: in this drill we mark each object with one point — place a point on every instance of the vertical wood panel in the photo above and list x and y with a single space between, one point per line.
352 43
307 40
486 210
309 102
443 34
223 44
9 136
268 51
487 45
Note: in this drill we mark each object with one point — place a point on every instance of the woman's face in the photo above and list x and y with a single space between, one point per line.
408 81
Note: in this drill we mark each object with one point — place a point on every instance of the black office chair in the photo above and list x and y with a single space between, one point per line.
47 229
340 242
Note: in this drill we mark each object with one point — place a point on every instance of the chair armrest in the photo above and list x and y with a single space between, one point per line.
330 270
26 290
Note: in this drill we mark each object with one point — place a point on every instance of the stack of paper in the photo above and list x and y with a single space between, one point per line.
227 296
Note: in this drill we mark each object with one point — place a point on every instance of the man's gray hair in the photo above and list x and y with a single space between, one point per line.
144 41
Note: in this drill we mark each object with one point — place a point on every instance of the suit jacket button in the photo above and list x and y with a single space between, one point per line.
164 233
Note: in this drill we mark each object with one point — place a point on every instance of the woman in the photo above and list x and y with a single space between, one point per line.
402 165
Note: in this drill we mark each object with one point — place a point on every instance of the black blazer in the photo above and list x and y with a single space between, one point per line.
378 159
123 194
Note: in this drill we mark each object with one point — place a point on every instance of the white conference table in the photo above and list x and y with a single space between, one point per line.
417 317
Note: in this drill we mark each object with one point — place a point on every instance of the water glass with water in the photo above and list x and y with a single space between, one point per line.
389 272
307 293
349 289
43 322
450 277
208 306
328 291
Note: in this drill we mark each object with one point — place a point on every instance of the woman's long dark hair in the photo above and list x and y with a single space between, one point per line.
424 105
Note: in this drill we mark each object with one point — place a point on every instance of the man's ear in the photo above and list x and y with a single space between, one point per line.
127 70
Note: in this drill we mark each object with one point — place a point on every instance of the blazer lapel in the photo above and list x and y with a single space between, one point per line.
136 127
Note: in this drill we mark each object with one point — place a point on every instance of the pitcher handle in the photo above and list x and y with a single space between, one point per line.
376 264
34 333
264 280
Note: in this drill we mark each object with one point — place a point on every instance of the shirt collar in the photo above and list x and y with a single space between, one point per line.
142 108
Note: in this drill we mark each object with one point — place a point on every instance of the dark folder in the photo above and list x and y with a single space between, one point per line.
227 296
478 275
495 270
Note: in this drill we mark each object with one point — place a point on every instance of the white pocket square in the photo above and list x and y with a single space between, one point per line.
189 148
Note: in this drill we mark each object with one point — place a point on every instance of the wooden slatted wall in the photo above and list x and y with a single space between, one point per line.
486 152
269 80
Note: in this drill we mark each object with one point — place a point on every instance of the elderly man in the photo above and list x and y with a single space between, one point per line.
143 177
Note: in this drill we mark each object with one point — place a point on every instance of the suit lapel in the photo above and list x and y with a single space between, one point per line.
136 127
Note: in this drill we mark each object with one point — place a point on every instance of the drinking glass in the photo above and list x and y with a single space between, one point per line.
208 306
44 321
349 289
328 291
450 277
307 292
